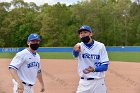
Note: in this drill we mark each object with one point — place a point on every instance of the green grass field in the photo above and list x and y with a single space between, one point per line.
113 56
124 56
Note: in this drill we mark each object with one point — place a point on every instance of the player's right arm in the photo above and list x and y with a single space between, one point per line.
15 64
17 79
76 50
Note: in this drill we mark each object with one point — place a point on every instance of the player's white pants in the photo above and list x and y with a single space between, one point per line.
27 89
92 86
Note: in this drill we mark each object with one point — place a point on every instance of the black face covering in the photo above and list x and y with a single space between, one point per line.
85 39
34 46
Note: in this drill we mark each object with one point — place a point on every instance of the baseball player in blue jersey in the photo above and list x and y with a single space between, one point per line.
25 67
92 62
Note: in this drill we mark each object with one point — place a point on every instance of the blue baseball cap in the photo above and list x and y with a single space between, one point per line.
85 28
33 36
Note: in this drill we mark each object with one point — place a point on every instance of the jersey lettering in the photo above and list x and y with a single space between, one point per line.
33 64
92 56
97 64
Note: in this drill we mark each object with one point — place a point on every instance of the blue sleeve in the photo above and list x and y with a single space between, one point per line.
101 68
75 53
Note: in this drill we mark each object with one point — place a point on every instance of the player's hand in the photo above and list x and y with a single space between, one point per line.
20 88
42 89
77 47
91 69
85 71
88 70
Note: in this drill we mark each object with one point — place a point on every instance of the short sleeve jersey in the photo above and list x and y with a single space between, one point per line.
27 65
94 56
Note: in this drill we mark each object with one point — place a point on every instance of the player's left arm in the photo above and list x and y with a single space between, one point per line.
101 68
104 61
39 76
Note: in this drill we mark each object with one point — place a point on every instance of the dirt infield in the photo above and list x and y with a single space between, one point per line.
60 76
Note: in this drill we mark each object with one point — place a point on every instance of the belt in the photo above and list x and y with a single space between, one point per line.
87 78
27 84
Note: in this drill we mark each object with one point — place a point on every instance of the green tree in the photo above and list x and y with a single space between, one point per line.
55 23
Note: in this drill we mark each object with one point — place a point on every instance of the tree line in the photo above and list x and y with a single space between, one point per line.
114 22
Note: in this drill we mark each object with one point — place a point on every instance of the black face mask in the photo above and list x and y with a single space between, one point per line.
34 46
85 39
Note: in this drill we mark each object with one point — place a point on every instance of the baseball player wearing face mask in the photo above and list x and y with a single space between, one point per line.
25 67
92 62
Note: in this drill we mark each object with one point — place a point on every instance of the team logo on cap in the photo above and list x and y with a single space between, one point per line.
35 35
82 27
